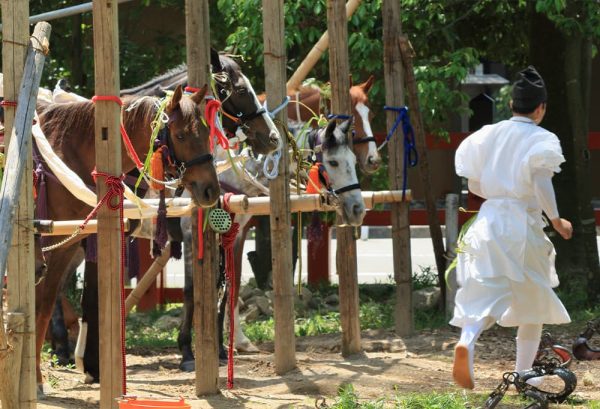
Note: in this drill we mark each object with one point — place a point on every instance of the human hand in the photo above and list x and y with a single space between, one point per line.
563 227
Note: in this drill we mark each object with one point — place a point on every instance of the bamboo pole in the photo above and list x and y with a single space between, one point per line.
21 259
339 73
204 273
435 229
67 227
316 52
148 278
108 160
261 205
394 96
281 244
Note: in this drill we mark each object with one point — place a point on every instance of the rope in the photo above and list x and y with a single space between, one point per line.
227 241
191 89
44 49
210 112
411 156
6 103
115 191
278 109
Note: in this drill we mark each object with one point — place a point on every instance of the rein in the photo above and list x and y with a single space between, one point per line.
581 349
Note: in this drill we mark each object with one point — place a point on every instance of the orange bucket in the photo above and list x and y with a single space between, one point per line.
135 403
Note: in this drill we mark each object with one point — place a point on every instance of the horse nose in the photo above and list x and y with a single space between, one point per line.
274 137
358 210
209 194
374 160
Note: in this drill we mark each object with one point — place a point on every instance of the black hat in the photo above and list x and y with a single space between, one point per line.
528 91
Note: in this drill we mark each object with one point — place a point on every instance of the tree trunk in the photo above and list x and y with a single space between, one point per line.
565 64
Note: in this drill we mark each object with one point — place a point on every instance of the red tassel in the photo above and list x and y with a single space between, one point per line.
157 169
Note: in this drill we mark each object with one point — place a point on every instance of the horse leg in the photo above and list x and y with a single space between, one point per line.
45 299
184 339
89 307
59 335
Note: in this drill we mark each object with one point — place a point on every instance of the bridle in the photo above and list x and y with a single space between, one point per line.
316 146
165 138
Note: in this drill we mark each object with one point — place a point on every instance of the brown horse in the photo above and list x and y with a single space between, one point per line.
309 101
69 129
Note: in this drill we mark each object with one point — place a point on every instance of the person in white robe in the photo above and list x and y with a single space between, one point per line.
505 269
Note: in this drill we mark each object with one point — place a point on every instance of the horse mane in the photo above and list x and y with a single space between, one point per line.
76 119
168 80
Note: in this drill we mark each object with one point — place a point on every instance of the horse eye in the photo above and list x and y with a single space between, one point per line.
241 90
180 136
334 163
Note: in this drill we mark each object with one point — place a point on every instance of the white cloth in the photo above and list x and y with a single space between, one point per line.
505 267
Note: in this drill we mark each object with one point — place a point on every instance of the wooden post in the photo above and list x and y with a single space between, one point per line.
281 243
204 273
417 122
339 75
108 160
451 243
394 96
316 52
21 264
10 363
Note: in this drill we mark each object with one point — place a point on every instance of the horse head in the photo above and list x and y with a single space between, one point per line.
188 138
364 143
240 106
340 164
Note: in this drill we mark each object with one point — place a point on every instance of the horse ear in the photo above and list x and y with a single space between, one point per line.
345 126
215 61
368 84
199 95
175 99
330 128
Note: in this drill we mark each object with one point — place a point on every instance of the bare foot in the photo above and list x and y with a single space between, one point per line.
462 372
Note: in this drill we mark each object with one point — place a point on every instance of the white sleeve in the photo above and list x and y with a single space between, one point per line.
475 187
544 192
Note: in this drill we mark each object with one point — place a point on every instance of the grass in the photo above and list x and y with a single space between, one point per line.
348 399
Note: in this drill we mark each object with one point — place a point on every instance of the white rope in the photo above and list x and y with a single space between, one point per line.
271 165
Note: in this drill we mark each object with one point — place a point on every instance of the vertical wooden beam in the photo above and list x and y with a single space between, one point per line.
108 160
451 243
204 273
281 244
21 262
394 96
339 75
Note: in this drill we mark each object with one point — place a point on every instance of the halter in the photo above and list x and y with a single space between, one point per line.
164 138
316 146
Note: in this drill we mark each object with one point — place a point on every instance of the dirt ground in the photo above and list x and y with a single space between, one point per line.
419 363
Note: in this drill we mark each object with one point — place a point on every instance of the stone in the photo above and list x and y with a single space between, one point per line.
246 292
426 298
167 323
264 305
332 299
252 314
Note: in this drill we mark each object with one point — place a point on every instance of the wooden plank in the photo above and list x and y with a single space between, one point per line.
108 160
452 230
10 362
281 244
339 75
204 273
417 122
21 260
392 67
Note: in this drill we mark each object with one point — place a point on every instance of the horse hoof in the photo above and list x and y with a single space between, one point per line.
40 392
246 346
187 366
90 379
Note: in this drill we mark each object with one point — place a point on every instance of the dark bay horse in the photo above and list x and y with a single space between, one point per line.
241 110
69 129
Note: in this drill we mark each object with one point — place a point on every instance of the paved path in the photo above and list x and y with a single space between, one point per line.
374 261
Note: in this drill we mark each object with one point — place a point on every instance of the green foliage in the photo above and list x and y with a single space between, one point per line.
348 399
426 277
433 400
142 333
318 324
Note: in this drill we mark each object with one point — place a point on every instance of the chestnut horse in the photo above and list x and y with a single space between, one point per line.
309 102
69 129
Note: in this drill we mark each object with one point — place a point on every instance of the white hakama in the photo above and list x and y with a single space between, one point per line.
505 264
